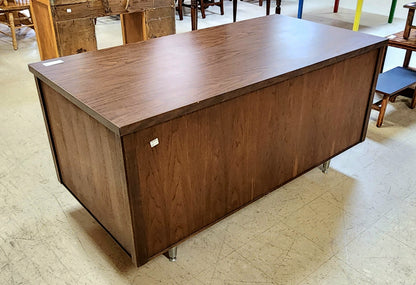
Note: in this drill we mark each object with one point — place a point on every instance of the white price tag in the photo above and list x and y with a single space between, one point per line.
53 62
154 142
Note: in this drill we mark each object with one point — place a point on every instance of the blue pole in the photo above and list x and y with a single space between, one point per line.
300 9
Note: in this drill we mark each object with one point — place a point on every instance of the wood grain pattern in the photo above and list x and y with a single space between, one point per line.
66 27
214 161
45 33
100 8
90 163
133 27
159 22
233 124
149 24
397 40
163 87
83 42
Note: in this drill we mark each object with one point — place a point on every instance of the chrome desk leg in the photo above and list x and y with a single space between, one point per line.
172 253
325 166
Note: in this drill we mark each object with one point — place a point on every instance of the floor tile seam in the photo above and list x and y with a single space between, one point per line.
310 240
395 238
314 271
296 231
284 217
334 253
255 266
366 229
251 238
353 268
380 214
360 235
218 257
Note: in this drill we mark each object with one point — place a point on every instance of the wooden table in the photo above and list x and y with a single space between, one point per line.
398 41
158 142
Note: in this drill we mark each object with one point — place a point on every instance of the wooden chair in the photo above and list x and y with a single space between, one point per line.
203 4
12 16
409 22
390 84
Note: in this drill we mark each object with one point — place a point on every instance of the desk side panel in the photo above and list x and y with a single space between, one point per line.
211 162
89 158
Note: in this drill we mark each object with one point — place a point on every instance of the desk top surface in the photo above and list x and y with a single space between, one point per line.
138 85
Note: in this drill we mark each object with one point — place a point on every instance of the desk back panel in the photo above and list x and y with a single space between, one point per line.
216 160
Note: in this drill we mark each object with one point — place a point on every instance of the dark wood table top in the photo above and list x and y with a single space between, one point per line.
138 85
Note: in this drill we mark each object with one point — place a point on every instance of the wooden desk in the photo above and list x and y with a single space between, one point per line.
231 125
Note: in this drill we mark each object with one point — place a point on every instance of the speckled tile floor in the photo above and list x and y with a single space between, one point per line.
354 225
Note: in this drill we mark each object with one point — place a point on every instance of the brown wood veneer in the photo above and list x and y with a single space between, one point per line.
261 107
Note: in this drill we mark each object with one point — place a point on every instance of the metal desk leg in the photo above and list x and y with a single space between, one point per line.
325 166
358 15
172 253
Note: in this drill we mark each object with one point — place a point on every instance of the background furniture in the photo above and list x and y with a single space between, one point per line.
409 21
156 163
207 3
390 84
357 11
268 3
397 40
202 4
11 15
67 28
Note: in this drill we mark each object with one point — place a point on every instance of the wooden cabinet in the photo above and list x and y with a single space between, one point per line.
65 27
158 143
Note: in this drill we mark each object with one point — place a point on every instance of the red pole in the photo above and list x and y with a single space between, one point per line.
336 4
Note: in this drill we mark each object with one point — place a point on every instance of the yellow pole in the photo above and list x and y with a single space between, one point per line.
358 15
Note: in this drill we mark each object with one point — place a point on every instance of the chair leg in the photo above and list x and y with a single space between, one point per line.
336 5
409 23
222 7
413 103
382 110
180 9
13 30
278 9
300 9
393 98
407 58
357 17
202 9
260 2
392 10
268 4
